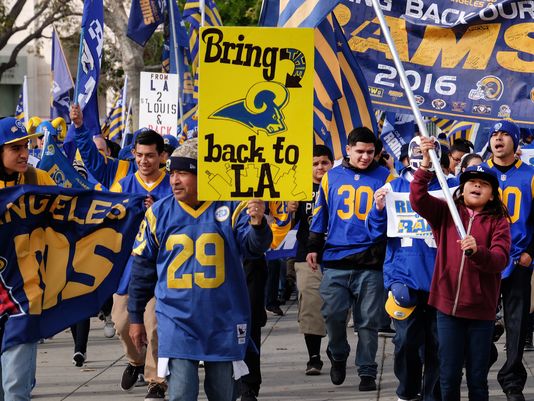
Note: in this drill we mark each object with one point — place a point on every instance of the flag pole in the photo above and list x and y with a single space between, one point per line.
127 124
419 119
202 6
80 53
25 101
124 100
175 52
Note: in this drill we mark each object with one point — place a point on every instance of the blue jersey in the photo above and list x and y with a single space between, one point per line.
408 260
135 185
517 193
106 170
345 198
194 260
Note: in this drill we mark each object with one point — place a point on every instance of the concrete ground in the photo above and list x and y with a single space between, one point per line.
284 358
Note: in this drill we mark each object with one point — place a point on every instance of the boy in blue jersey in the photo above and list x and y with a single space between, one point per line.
149 180
516 181
188 254
352 261
408 270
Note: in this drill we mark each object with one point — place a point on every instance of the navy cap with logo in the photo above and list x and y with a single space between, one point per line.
12 130
509 127
481 172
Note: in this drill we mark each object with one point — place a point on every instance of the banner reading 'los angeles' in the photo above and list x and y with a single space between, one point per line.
62 255
464 60
256 113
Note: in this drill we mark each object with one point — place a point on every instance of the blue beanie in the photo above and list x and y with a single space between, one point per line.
509 127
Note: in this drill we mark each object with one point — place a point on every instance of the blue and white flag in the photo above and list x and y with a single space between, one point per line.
398 130
60 93
19 110
62 255
91 42
56 164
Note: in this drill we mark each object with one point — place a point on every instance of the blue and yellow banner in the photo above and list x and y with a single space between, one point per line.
61 256
464 60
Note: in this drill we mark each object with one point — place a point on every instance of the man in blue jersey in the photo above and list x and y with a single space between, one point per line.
106 170
188 254
150 181
408 270
352 261
516 181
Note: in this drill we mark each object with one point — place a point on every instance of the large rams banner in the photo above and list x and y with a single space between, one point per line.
468 60
256 113
61 256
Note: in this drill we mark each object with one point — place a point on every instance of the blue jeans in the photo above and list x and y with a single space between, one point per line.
459 337
219 384
363 290
18 371
416 348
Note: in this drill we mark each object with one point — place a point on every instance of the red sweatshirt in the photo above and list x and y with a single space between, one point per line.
463 286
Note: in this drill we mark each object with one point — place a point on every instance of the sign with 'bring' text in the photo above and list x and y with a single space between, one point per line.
256 113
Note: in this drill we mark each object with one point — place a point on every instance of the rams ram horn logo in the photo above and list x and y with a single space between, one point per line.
488 88
3 263
260 110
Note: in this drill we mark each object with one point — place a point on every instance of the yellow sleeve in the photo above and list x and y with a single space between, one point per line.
116 187
43 178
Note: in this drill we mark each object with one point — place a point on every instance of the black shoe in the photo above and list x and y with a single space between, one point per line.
367 383
156 392
78 359
248 395
515 395
338 370
130 376
275 310
314 366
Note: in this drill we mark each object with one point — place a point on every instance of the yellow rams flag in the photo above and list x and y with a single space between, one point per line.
255 113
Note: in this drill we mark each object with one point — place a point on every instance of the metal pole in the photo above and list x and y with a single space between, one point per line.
175 52
419 119
202 5
78 71
124 101
127 124
25 100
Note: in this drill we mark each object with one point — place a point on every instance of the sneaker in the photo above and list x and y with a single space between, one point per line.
275 310
130 376
367 383
109 327
528 346
156 391
498 331
314 366
78 359
338 370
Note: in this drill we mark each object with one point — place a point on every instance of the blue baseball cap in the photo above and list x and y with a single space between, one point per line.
171 140
482 172
401 301
509 127
12 130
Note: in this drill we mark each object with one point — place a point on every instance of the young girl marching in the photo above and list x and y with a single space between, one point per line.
467 275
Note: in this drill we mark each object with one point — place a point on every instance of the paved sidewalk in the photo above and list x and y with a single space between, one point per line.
284 358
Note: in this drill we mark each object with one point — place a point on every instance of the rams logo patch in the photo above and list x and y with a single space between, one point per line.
222 214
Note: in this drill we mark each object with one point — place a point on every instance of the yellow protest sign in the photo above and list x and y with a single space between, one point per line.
255 113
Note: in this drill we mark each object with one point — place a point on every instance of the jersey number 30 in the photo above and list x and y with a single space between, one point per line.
197 250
